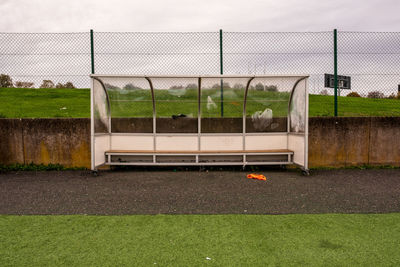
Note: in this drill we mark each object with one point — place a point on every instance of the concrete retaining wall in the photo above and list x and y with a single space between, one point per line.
334 142
339 142
44 141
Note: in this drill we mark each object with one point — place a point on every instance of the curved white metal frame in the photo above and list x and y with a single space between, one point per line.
293 140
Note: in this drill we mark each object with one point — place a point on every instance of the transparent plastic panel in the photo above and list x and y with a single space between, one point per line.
131 104
298 108
258 53
267 104
100 108
176 104
222 106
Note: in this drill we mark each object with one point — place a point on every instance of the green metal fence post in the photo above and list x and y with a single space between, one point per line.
92 50
221 72
335 69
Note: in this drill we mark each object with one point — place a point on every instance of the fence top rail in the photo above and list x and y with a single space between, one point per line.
197 76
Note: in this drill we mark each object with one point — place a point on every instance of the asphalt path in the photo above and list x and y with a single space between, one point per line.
200 192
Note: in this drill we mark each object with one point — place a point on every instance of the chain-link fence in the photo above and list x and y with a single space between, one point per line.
34 57
370 60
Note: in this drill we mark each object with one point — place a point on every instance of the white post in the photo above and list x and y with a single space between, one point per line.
306 127
92 145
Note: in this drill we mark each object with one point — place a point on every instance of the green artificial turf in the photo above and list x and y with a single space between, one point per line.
196 240
75 103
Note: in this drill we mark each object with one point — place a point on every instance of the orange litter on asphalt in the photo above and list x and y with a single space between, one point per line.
256 176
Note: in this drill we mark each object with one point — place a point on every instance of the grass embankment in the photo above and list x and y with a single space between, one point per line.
75 103
44 103
192 240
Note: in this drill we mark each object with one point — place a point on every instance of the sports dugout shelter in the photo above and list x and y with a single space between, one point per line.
199 120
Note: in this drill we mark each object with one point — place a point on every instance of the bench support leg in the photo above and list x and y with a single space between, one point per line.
305 172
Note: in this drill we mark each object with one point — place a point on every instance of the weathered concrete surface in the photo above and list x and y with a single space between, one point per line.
384 146
11 143
277 124
44 141
339 142
189 125
62 141
177 125
132 125
333 142
227 125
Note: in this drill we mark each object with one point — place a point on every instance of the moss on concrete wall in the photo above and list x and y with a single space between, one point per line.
333 142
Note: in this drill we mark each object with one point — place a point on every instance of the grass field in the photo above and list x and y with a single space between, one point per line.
193 240
50 103
44 103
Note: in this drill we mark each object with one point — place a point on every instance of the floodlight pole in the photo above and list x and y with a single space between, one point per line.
92 50
335 69
221 72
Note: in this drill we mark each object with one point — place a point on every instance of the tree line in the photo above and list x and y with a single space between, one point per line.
225 85
6 81
372 94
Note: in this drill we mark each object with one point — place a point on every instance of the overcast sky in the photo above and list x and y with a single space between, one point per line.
367 57
198 15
